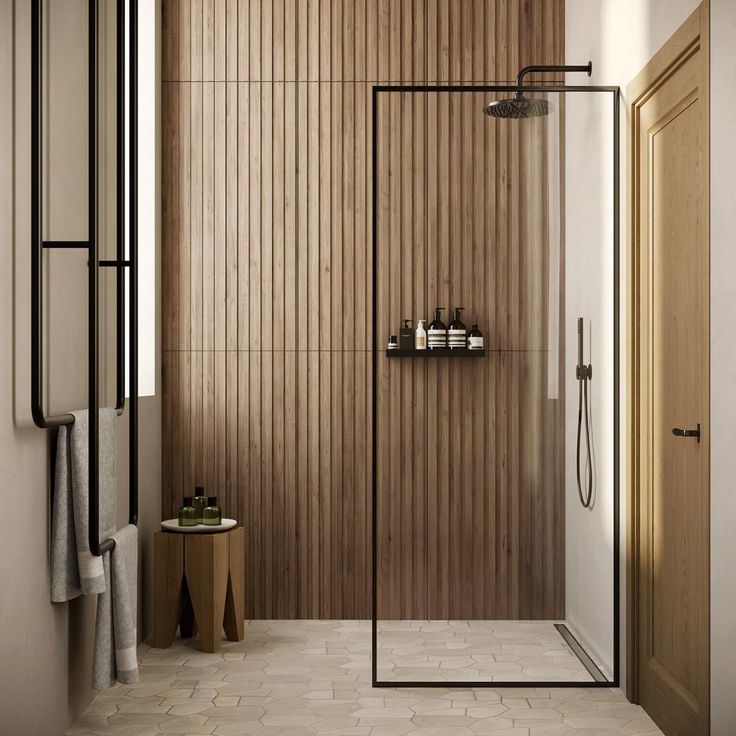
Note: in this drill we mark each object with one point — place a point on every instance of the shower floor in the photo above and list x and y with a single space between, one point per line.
483 651
313 678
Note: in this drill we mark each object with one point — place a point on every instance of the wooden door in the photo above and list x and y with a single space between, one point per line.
669 662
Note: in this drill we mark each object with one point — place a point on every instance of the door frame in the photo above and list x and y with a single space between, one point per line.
691 36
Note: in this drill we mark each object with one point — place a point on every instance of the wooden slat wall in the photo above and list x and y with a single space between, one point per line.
266 135
470 472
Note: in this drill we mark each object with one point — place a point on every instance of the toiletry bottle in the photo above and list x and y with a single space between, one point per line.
456 337
212 515
437 332
187 516
420 336
475 338
406 335
393 343
199 502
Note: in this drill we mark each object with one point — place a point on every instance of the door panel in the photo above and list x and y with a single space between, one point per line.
671 384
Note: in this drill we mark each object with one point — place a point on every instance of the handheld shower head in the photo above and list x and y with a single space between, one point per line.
580 341
583 373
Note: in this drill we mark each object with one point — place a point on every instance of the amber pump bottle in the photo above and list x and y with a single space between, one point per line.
456 334
437 332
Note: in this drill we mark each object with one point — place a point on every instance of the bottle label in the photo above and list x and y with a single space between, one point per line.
456 338
475 343
437 338
421 342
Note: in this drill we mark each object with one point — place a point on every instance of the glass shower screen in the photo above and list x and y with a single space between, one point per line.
487 567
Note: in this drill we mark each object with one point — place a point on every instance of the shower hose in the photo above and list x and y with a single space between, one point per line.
585 490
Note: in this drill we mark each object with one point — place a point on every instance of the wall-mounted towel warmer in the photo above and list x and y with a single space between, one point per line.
92 245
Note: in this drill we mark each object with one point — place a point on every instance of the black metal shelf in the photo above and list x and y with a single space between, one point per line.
436 353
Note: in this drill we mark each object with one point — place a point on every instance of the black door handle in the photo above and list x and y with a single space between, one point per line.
678 432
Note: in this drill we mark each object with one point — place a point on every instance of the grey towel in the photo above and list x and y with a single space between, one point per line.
116 637
74 569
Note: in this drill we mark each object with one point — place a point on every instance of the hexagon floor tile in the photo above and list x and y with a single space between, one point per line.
312 678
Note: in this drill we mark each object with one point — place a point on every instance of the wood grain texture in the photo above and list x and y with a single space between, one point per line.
206 566
234 617
199 586
169 587
669 476
486 433
267 295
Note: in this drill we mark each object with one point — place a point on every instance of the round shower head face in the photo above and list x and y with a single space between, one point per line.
518 107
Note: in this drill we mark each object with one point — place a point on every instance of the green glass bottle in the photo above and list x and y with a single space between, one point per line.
212 516
187 516
200 502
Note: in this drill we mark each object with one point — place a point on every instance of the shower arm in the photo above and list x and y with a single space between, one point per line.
551 68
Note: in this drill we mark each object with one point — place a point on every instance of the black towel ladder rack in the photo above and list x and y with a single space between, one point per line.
92 245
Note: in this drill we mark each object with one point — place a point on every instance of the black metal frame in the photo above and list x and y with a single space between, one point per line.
615 93
38 245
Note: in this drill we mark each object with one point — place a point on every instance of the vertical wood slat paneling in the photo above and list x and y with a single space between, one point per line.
267 297
526 480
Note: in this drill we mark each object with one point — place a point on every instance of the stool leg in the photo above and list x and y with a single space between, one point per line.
169 593
234 605
205 567
187 623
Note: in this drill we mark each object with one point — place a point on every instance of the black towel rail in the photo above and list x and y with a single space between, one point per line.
94 263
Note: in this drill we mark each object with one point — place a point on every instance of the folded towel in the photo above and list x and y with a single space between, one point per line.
74 569
116 636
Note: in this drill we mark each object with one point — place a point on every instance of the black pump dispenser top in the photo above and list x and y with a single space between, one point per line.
456 313
437 332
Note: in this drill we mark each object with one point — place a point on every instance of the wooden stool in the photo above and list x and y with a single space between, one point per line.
198 583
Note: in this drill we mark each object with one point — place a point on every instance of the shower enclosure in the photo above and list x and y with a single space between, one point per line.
495 515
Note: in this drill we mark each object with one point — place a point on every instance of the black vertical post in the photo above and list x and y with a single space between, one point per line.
120 206
92 286
616 390
133 271
36 219
374 407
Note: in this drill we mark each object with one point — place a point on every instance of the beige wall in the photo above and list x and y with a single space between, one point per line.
621 36
45 650
722 365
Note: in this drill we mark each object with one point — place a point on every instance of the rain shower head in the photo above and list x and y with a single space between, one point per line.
529 107
518 107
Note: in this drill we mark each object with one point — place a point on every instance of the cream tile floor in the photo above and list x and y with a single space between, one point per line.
501 651
300 678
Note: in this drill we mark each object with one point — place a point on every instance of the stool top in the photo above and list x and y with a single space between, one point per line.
172 525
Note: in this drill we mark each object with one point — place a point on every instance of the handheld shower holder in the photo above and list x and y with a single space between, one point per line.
583 372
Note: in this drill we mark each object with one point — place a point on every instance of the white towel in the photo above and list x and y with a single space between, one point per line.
116 636
74 569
